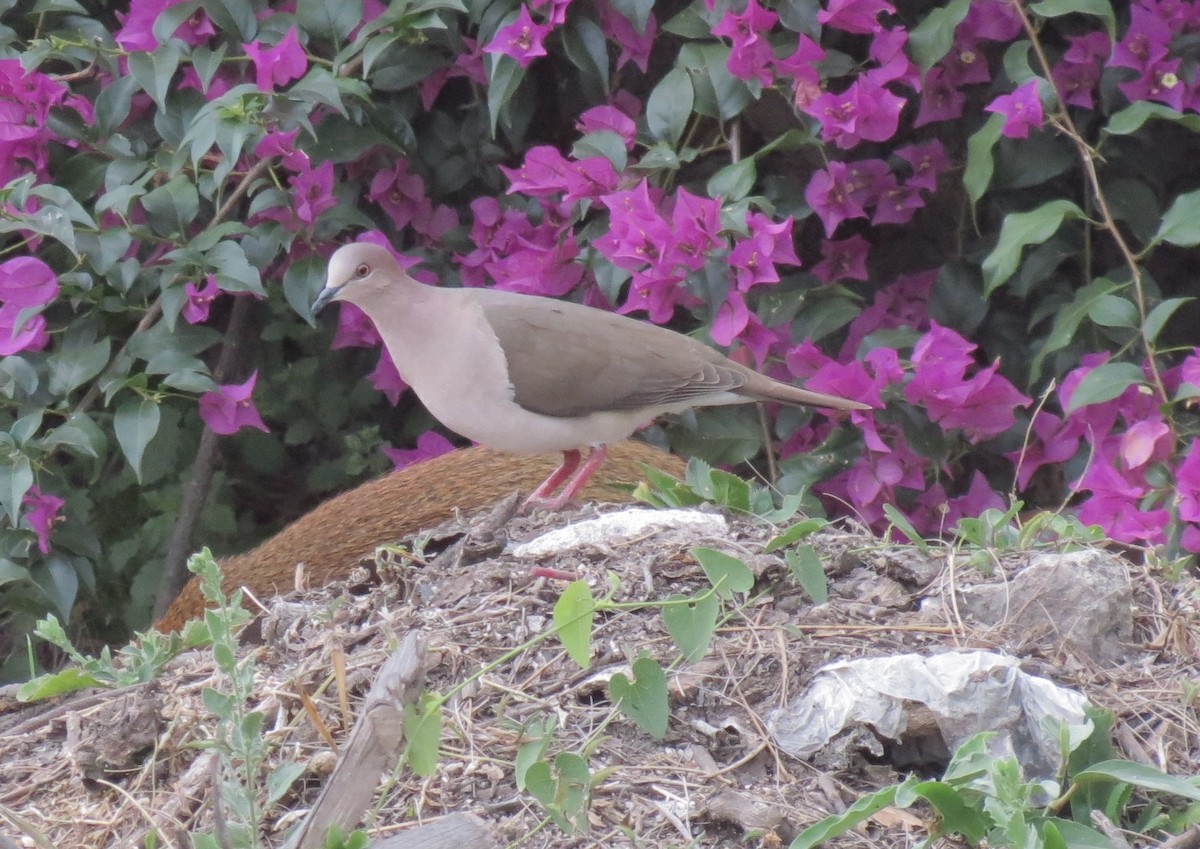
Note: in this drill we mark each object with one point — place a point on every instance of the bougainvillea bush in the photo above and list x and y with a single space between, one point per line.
977 217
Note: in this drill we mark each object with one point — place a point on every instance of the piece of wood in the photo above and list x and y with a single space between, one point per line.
456 831
375 745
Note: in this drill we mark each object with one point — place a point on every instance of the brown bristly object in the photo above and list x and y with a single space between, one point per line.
331 539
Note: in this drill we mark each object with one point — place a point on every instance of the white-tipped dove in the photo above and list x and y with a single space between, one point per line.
532 375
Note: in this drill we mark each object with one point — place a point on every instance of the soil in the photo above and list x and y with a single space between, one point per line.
102 768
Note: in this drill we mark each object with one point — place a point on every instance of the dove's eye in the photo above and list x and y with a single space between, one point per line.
362 271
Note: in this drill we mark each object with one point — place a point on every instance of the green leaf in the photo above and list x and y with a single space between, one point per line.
1181 225
16 477
718 486
80 433
726 573
795 533
1019 230
58 6
172 207
49 220
602 143
691 623
956 815
1103 383
670 106
980 164
235 16
537 734
10 572
154 71
718 94
207 62
73 367
1114 311
332 19
1159 316
860 811
59 581
573 616
1068 319
1130 120
932 39
233 270
423 733
645 699
60 683
135 424
505 77
637 12
807 569
585 46
1102 9
901 523
112 105
688 23
734 181
281 778
1139 775
302 281
722 434
24 428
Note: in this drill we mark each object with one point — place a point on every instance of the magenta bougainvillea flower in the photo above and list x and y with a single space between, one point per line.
865 111
830 194
230 408
522 40
610 119
981 406
282 145
1187 478
399 193
618 29
277 65
941 99
26 284
402 196
26 98
750 55
26 281
430 444
200 300
1022 110
386 378
928 162
137 25
467 64
355 329
1055 444
41 511
844 259
802 67
767 245
859 16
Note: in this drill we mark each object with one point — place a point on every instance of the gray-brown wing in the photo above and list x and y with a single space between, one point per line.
569 360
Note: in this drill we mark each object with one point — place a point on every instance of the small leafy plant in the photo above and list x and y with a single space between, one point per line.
984 801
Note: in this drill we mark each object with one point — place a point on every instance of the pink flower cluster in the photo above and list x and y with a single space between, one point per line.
230 408
27 285
1128 450
26 100
942 377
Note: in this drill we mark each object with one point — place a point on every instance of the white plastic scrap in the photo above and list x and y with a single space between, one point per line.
612 528
967 692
